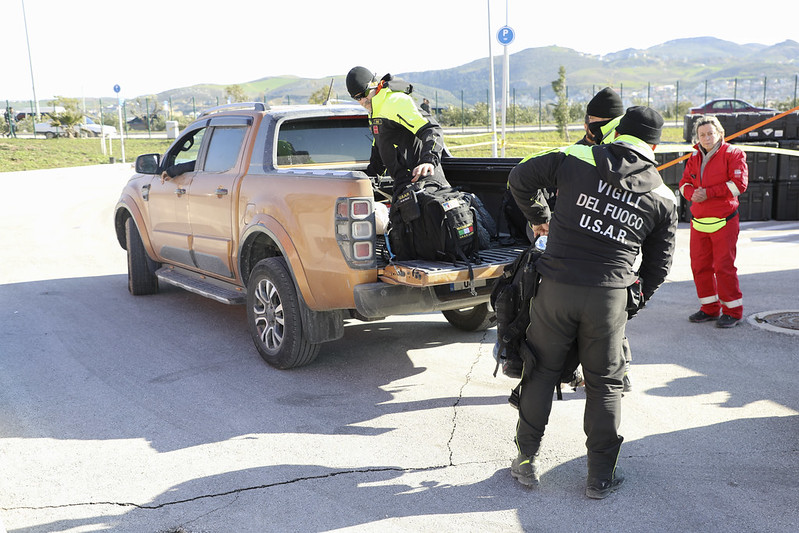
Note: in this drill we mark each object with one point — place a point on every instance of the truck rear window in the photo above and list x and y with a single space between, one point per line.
323 142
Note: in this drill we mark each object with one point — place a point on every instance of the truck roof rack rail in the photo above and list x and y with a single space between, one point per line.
257 106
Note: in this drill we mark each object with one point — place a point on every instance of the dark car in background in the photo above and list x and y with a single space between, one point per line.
728 105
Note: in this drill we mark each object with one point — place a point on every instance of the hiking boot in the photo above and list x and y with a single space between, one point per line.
598 489
726 321
525 470
701 316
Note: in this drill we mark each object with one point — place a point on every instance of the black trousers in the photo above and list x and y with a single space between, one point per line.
595 318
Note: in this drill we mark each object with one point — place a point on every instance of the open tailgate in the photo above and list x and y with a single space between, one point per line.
422 273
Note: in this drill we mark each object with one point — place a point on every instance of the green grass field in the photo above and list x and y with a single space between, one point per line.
33 154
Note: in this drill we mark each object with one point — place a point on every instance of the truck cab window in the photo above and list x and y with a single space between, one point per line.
223 149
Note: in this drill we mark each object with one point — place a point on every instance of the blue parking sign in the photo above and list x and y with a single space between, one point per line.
505 35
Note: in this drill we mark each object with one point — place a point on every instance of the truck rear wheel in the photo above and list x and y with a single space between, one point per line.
141 269
273 316
477 318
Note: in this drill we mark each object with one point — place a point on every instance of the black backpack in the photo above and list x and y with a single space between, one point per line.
511 298
435 223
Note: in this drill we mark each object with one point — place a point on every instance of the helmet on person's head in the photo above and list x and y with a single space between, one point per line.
359 81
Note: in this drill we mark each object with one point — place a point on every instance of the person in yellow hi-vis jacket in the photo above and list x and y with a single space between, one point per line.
715 176
408 143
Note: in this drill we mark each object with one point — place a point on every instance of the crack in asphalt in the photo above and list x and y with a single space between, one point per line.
451 463
229 492
460 397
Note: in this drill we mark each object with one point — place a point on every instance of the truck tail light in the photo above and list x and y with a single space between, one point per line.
355 231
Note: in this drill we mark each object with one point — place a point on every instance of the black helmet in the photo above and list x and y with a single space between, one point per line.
358 81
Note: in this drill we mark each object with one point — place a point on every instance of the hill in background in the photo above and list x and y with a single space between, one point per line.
691 70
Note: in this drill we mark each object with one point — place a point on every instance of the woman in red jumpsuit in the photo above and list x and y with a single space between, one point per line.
715 175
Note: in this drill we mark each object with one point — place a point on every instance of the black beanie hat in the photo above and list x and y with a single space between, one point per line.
358 80
642 122
605 104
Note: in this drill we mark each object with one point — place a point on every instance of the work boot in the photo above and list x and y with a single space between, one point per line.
525 469
599 489
701 316
726 321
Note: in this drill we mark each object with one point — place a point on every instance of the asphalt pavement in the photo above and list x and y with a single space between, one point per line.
156 414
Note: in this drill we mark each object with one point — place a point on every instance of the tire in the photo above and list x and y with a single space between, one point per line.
141 269
273 316
49 135
477 318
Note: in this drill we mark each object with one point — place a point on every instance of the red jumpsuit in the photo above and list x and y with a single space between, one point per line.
724 174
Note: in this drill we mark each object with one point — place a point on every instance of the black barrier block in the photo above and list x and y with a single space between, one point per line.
791 126
762 165
788 166
774 130
786 200
756 202
673 174
688 127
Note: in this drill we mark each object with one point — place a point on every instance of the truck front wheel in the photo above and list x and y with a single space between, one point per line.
274 318
141 269
477 318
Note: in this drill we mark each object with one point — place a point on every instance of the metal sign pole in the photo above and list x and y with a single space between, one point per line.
505 36
121 130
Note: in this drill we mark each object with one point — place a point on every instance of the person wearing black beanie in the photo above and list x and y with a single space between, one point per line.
408 143
601 115
643 123
613 209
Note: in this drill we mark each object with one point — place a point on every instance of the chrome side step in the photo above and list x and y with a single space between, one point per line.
227 293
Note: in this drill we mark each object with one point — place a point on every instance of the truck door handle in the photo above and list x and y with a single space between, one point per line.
220 192
180 192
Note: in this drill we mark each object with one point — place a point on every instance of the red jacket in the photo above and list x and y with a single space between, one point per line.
725 177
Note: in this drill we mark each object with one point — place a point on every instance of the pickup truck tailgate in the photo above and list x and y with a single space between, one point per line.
421 273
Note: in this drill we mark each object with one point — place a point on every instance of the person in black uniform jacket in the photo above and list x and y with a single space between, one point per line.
612 204
408 143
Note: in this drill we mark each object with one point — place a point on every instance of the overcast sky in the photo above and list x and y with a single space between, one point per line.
85 47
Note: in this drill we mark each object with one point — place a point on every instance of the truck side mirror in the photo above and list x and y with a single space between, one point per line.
148 163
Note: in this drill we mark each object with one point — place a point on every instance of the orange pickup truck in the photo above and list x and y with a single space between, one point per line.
270 207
